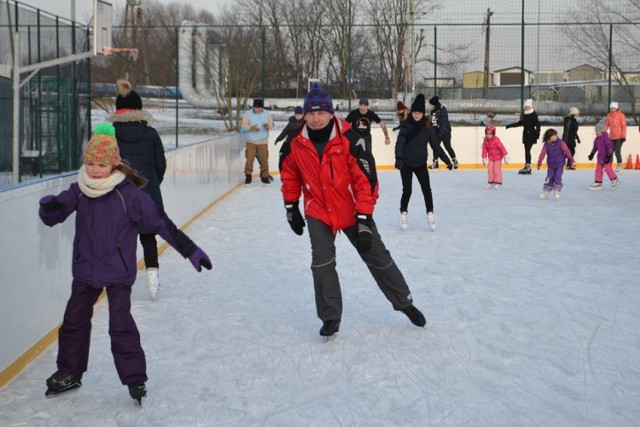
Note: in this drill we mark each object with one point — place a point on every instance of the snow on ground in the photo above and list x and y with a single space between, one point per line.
532 310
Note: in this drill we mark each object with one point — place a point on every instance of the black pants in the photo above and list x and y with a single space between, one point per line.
527 152
422 173
617 150
572 150
150 250
446 141
325 277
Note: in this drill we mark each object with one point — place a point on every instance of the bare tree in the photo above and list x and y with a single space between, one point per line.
592 41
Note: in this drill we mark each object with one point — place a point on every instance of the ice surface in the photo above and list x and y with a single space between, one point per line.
532 309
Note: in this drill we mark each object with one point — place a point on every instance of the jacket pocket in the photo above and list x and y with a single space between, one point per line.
124 263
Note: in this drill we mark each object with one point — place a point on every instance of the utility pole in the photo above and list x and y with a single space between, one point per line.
487 45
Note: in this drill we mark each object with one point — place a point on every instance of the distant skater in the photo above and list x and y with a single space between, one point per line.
557 154
603 146
493 153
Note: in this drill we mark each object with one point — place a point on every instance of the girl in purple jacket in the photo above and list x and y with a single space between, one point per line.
109 207
604 147
557 153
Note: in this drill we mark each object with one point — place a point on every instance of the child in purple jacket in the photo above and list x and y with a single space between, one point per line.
557 153
604 147
109 207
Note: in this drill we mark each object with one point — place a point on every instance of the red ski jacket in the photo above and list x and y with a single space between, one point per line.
337 186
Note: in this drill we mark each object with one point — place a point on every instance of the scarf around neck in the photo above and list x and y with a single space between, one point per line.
98 187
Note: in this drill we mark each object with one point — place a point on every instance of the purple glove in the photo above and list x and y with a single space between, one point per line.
200 259
49 204
399 163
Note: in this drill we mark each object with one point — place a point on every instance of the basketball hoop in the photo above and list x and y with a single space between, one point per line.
131 52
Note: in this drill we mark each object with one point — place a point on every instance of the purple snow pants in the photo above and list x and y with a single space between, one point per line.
554 179
74 335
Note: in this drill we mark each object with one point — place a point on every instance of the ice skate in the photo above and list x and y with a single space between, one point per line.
596 186
434 165
526 170
619 167
498 186
556 195
491 186
544 195
415 315
455 163
153 282
404 221
614 183
266 181
330 328
247 179
137 391
431 221
59 383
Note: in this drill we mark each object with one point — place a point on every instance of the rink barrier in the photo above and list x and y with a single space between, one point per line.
36 259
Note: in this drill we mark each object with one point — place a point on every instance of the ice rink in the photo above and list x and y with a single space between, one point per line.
533 311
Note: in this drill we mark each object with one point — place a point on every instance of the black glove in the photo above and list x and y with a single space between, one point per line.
276 142
365 235
294 217
399 163
578 139
50 204
623 139
450 166
508 126
607 158
590 156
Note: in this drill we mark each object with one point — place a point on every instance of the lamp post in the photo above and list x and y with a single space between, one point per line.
349 70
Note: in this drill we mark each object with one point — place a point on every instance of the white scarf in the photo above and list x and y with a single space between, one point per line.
98 187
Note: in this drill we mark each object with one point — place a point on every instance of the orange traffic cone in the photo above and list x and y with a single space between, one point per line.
629 162
637 161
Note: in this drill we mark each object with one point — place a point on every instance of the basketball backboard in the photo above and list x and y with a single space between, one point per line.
102 25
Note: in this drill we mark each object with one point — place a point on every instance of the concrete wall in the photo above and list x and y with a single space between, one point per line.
35 260
467 143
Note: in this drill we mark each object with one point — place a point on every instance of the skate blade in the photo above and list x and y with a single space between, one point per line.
53 393
330 338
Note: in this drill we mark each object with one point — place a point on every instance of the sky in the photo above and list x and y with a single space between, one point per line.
531 306
84 8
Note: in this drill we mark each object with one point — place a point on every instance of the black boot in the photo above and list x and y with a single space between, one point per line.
330 327
60 382
137 391
415 315
247 179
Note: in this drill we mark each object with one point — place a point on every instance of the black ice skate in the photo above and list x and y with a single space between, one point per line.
526 170
329 328
415 315
59 383
137 391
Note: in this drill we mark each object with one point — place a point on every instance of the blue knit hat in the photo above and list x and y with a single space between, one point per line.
318 100
298 110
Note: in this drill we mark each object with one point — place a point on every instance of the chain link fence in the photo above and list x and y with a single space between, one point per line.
494 63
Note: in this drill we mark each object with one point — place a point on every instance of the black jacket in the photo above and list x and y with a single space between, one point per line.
141 146
570 132
531 125
292 126
411 145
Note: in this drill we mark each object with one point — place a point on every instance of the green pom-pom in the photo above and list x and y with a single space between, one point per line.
105 128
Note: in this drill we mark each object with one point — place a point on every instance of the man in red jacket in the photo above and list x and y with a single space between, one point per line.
330 165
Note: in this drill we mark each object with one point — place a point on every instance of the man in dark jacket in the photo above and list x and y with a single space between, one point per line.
332 167
141 147
530 133
442 127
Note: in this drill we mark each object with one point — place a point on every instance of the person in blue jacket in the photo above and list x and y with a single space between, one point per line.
109 208
415 134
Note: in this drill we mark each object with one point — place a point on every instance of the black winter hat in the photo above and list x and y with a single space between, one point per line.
127 97
435 101
258 103
419 104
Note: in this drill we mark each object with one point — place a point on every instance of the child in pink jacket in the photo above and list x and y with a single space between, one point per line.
492 154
